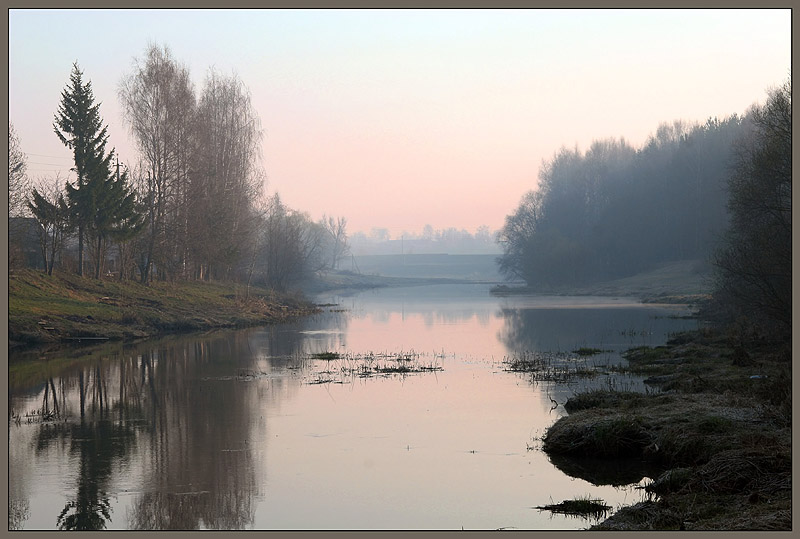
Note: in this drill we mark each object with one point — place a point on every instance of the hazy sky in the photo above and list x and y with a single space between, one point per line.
398 118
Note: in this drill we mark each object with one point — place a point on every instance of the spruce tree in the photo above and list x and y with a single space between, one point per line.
80 128
102 207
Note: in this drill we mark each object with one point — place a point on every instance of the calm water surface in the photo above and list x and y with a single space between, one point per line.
242 430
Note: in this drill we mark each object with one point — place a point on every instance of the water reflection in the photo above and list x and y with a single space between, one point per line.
181 409
614 472
97 446
221 431
450 304
608 328
196 409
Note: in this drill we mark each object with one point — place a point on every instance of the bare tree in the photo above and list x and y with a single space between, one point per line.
49 207
18 189
159 103
337 230
293 246
517 234
226 177
18 183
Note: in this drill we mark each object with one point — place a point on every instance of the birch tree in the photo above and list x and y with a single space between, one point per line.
159 104
226 178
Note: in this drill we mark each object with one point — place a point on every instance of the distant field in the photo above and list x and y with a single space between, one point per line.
672 282
471 267
686 277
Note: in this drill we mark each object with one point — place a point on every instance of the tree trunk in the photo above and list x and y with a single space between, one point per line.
100 256
49 267
43 245
80 251
150 249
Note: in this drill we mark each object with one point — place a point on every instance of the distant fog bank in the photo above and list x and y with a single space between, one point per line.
473 267
448 241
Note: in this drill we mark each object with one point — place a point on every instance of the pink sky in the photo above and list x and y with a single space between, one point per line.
398 119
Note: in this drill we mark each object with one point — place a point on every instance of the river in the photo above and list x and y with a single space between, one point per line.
247 430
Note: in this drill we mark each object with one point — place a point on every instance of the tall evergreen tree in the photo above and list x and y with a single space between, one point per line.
80 128
102 207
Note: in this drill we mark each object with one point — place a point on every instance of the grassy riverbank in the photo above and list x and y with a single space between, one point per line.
65 306
717 426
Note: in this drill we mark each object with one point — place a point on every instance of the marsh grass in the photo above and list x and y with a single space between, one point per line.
552 366
339 368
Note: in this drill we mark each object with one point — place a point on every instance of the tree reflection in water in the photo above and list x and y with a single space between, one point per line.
19 510
98 445
97 441
199 421
174 413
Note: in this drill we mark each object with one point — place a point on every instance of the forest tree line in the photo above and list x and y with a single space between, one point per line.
719 192
193 206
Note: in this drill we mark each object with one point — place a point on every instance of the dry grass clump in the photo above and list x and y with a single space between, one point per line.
739 470
644 515
605 398
667 429
613 437
672 480
551 366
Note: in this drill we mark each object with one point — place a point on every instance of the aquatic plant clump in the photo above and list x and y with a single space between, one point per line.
340 367
585 507
584 351
552 366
